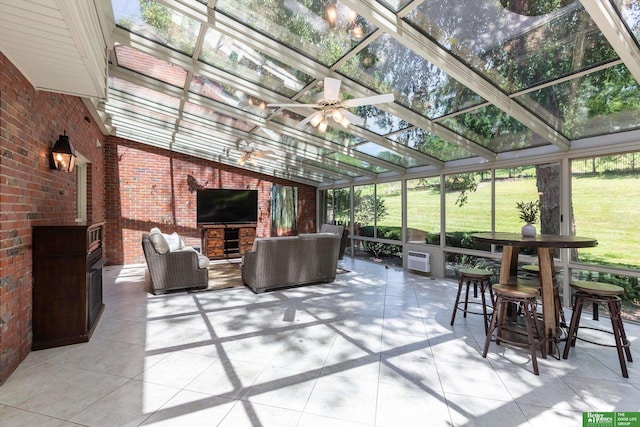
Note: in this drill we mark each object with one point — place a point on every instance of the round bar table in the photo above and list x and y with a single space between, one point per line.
544 244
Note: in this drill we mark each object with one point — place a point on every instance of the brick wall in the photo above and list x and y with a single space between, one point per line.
150 187
32 194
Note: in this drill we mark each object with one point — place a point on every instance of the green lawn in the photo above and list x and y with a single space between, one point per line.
606 208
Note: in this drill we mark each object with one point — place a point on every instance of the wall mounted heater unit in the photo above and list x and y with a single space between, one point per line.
418 261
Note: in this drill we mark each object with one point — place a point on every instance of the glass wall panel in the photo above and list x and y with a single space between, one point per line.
536 184
467 208
606 207
342 206
423 211
388 209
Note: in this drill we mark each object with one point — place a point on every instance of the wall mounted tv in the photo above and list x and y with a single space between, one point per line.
222 206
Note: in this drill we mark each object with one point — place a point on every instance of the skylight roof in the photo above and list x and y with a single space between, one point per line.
471 79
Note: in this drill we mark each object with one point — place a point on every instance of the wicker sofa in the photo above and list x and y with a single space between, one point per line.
174 268
278 262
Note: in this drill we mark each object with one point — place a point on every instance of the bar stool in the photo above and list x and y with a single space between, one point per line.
599 293
524 297
479 278
534 269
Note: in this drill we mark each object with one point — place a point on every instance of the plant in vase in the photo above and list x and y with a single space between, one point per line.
529 214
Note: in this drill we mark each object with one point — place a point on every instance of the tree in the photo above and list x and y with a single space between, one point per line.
368 207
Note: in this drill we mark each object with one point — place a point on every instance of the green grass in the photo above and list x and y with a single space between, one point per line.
605 208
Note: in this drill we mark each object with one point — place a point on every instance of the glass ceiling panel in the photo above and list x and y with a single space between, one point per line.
388 66
387 154
240 60
519 48
332 168
427 143
141 111
199 113
321 30
493 129
187 145
630 13
226 94
155 99
150 66
158 23
379 121
607 101
296 146
339 137
395 5
353 161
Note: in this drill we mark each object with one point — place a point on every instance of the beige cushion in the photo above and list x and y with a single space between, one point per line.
158 241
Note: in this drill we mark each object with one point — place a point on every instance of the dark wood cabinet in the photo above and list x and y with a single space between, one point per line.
67 283
227 240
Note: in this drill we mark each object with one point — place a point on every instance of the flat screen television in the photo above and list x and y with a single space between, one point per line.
222 206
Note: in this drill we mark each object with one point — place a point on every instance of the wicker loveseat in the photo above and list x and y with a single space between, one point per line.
174 268
278 262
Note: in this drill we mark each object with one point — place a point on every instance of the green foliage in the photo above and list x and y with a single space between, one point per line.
156 15
464 183
367 207
528 211
125 22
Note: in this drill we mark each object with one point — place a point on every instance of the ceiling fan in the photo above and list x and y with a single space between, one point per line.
332 108
250 153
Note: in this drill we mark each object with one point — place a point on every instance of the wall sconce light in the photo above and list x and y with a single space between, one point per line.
62 156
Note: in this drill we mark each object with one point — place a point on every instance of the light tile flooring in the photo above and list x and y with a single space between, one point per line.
374 348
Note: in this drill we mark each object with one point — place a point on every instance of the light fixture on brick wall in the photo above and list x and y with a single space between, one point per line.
62 156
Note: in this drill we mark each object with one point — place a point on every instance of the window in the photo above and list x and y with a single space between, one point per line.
468 206
81 188
423 210
606 207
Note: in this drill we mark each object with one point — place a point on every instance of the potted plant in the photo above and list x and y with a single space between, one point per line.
529 214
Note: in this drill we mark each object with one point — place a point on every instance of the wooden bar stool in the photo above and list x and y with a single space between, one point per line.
600 293
524 297
481 280
534 269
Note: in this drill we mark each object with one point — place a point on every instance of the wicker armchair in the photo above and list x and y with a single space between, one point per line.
173 270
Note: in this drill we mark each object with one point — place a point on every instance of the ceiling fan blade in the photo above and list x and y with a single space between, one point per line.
243 159
294 105
369 100
264 154
308 119
353 119
331 88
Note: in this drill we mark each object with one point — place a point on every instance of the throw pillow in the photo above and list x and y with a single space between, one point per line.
159 243
173 240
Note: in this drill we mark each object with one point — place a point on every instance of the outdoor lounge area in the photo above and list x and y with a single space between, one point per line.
275 212
373 348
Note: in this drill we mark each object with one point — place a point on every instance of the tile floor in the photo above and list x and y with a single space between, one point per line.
374 348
